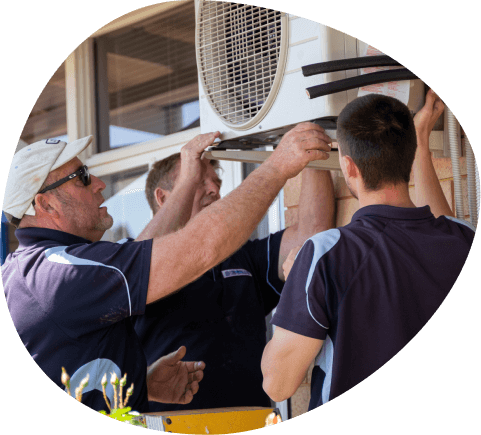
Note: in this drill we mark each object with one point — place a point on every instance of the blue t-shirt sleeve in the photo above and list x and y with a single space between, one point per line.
86 287
302 308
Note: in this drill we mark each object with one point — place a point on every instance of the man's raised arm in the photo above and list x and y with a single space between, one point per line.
316 212
427 189
223 227
176 211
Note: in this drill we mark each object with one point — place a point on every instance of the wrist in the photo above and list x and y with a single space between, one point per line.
423 142
273 171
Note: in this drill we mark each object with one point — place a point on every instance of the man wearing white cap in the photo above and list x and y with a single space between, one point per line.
71 296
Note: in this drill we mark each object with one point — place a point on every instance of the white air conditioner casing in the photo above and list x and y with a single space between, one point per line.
249 62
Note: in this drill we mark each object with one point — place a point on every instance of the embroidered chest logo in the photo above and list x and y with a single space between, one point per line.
235 272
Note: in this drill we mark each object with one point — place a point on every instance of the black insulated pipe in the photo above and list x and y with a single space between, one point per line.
393 75
347 64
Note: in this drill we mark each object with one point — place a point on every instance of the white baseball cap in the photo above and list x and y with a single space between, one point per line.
29 170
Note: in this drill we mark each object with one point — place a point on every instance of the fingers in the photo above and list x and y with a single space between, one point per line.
192 386
195 376
187 397
202 141
303 126
434 102
174 357
438 106
193 366
313 139
307 135
317 155
199 143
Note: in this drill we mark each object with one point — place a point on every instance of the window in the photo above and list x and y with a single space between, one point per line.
146 79
126 203
48 118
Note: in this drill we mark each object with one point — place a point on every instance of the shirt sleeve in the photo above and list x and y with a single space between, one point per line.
302 308
464 225
86 287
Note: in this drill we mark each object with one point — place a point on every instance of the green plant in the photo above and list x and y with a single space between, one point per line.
120 410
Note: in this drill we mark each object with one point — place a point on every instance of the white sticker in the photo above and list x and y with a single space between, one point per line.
398 90
235 272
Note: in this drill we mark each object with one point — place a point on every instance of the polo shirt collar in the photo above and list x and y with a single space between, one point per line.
31 236
391 212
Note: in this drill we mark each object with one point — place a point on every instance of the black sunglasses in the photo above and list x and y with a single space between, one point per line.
83 173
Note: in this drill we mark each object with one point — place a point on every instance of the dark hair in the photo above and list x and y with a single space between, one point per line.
378 133
163 175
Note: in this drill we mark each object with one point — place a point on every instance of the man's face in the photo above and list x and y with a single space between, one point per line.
79 205
208 191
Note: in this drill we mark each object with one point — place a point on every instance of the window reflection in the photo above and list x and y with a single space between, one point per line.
147 84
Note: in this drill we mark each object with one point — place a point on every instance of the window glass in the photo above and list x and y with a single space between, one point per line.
125 201
147 84
48 118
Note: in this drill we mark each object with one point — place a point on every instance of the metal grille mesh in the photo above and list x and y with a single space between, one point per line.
238 53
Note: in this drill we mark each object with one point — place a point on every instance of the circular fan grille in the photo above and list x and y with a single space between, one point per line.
238 52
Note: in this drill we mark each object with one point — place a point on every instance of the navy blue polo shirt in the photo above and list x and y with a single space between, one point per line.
71 302
367 289
220 318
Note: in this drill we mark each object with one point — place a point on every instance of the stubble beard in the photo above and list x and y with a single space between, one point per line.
71 209
104 224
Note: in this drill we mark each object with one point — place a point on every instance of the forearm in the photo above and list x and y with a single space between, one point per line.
223 227
278 382
285 362
427 189
316 203
316 212
213 235
173 215
237 216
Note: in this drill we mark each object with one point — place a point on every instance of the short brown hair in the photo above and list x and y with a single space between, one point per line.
163 175
378 133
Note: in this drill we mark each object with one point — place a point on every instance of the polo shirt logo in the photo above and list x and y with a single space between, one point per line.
235 272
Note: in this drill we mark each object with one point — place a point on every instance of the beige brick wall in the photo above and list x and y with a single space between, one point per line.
346 206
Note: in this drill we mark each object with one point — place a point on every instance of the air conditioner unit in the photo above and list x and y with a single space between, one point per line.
251 86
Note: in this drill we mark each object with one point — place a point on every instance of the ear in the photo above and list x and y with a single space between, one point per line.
351 168
161 196
45 206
